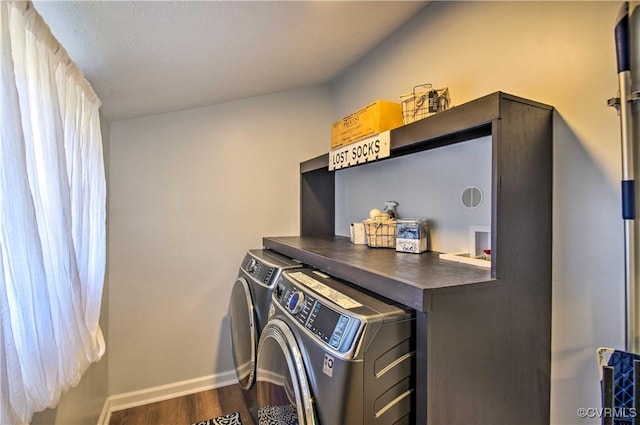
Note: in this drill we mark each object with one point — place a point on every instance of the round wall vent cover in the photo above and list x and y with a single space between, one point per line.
472 197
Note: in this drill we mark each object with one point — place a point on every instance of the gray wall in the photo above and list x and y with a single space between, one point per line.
425 185
562 54
191 192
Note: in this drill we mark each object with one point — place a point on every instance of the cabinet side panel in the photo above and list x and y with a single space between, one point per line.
317 203
523 184
490 352
524 248
488 362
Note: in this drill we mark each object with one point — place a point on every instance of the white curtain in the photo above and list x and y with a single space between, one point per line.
52 218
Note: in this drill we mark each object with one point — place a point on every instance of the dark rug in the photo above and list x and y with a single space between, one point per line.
230 419
278 415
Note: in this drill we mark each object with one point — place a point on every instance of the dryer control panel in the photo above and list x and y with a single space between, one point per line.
331 326
257 269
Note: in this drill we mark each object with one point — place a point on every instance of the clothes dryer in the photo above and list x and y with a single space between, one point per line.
248 310
331 354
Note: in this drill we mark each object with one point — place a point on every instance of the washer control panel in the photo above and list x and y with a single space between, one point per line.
257 269
331 326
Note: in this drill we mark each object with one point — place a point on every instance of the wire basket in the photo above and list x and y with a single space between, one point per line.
380 234
424 101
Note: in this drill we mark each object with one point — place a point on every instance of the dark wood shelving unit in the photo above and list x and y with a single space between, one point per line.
483 337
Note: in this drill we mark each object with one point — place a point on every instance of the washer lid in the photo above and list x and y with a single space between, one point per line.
244 334
283 390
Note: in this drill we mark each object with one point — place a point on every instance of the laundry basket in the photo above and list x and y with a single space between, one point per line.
619 373
423 101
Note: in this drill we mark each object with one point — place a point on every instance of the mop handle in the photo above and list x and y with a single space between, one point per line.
623 57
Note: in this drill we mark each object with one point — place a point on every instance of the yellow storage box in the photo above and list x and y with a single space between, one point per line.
374 118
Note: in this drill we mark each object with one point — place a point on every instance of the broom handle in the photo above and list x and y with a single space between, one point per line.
623 56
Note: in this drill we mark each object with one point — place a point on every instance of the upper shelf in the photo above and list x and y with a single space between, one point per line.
463 122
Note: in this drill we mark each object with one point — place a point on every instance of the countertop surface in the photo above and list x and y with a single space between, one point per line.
406 278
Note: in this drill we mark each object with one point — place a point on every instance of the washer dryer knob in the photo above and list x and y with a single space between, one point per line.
251 267
295 302
279 291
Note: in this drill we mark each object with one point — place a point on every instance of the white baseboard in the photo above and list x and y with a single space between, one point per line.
164 392
105 414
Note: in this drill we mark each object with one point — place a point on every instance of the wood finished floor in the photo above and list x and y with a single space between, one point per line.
187 410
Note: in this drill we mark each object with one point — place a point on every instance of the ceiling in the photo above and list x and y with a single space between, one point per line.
148 57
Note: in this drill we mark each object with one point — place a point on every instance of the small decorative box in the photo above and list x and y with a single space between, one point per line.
411 235
357 234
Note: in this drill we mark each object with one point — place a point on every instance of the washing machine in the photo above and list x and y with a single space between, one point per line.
333 355
248 311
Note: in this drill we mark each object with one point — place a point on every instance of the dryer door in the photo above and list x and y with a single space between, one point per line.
244 335
283 389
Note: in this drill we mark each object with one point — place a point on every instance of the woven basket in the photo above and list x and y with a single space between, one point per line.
380 234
